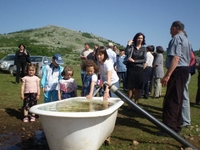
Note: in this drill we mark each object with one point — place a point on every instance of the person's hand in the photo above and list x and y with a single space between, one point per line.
43 90
37 97
22 97
89 96
165 80
83 57
130 59
130 42
25 52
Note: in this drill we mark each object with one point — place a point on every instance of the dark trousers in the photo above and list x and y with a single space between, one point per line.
122 77
20 70
173 100
146 82
150 81
198 91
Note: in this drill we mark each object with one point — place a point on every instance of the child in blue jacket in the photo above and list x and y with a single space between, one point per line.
51 74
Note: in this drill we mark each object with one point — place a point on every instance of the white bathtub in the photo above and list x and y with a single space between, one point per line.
77 130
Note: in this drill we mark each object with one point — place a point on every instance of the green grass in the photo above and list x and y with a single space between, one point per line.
129 125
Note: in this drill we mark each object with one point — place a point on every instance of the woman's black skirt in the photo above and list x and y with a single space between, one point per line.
134 77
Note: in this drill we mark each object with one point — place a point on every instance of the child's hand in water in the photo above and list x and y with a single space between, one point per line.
105 104
89 96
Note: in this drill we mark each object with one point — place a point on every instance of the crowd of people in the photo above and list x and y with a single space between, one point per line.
139 69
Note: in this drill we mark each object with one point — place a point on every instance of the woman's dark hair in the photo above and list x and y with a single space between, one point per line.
136 36
66 69
22 45
159 49
102 50
89 63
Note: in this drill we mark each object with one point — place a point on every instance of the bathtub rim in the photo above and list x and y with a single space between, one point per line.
108 111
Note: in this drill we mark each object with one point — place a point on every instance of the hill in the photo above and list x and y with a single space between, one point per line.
49 39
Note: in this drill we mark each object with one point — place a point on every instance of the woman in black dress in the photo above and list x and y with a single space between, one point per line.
137 58
21 59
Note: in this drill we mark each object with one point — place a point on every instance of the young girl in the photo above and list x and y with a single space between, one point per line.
67 86
90 78
30 90
107 72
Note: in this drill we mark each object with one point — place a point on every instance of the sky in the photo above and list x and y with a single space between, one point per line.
116 20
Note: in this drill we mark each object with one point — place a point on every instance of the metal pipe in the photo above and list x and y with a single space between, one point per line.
165 128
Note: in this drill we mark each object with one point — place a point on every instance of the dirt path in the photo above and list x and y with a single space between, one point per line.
15 134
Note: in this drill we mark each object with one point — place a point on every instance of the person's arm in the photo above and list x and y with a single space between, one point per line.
169 72
38 89
128 47
89 96
106 92
59 95
158 60
115 64
145 65
192 58
27 56
58 88
82 56
114 57
154 65
22 90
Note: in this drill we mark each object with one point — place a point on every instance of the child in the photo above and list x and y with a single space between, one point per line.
90 78
30 90
120 67
51 74
107 72
67 86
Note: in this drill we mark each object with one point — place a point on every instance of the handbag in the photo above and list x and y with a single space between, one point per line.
28 60
125 62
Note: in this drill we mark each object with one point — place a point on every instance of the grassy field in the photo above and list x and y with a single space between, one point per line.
130 126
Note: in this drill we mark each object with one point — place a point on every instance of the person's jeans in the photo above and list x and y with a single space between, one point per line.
113 94
82 77
20 70
186 105
122 76
50 96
